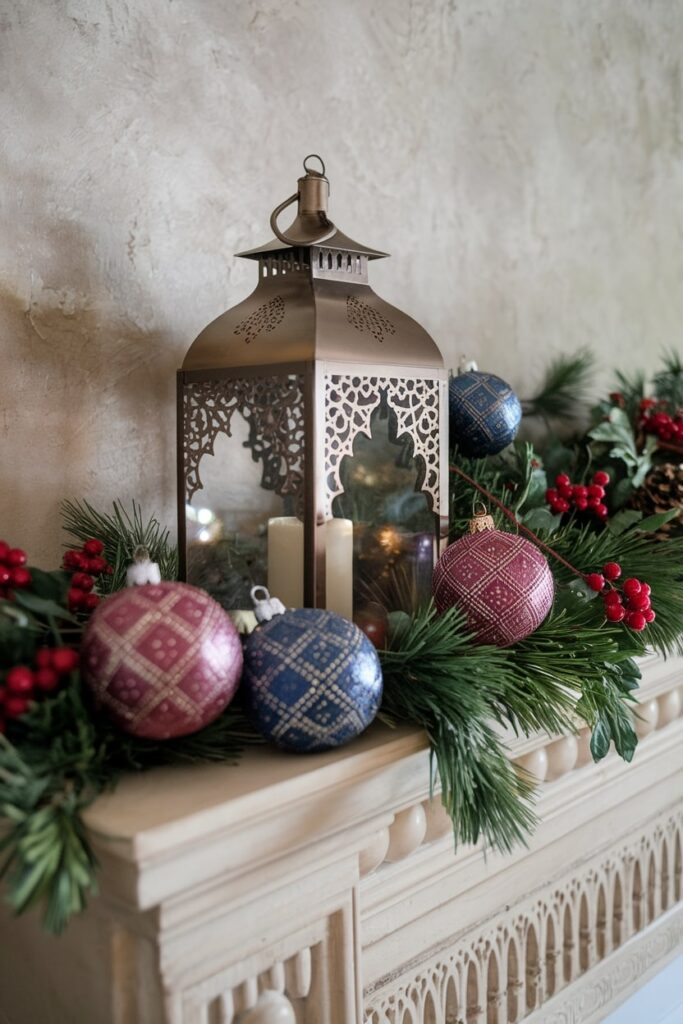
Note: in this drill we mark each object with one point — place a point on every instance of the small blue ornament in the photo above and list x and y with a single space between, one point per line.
312 680
484 413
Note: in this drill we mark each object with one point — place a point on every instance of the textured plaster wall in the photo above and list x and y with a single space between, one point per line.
522 161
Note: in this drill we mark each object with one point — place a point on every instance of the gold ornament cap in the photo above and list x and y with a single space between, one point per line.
481 520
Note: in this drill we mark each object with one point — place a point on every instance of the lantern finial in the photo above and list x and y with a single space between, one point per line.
311 224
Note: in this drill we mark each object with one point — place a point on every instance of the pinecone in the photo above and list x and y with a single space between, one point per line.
662 490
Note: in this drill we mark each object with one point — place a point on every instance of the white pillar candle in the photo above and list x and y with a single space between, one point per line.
286 560
286 563
339 567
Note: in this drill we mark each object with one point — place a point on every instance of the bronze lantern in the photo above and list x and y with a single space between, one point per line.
312 422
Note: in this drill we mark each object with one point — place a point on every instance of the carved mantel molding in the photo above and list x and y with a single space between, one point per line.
325 890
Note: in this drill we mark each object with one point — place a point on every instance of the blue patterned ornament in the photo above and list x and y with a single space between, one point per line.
484 413
312 680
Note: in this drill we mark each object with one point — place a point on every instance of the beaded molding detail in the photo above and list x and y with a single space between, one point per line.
511 966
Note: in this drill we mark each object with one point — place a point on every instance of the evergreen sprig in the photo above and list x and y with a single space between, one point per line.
565 387
631 389
668 382
48 776
65 754
436 677
640 556
575 668
121 532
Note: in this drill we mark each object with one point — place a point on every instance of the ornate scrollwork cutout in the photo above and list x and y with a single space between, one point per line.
262 320
274 410
364 317
523 956
414 413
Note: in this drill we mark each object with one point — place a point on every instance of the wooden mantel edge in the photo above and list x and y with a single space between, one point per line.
153 817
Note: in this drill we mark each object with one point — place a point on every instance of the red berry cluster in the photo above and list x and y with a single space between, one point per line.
85 564
13 572
631 605
23 684
655 420
584 498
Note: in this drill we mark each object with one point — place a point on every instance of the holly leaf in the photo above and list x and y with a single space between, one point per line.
623 733
582 590
644 462
533 488
18 632
625 455
653 523
43 606
567 599
12 617
542 519
621 492
631 669
623 521
50 585
627 684
616 430
601 738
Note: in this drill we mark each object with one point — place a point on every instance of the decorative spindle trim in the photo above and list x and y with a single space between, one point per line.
522 958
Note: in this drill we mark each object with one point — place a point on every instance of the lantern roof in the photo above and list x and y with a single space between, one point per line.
311 226
336 241
312 301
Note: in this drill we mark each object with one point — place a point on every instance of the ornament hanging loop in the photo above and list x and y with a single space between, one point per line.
142 570
265 607
481 520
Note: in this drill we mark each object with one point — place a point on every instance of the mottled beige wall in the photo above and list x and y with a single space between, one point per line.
521 160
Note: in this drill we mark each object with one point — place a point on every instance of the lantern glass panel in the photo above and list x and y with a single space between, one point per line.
393 525
240 533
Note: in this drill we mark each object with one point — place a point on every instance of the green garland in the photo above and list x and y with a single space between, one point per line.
121 532
575 667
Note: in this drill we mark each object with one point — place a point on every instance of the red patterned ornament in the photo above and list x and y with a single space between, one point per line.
500 580
163 660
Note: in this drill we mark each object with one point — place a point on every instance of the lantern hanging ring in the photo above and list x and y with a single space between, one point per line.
312 196
315 156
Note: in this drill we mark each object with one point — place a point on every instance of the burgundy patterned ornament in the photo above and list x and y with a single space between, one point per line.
163 659
500 580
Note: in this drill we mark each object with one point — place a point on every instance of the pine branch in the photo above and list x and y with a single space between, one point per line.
121 532
64 755
580 550
642 557
223 740
631 388
43 793
435 678
564 390
668 383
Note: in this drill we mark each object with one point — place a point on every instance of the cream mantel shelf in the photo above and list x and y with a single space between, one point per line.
325 890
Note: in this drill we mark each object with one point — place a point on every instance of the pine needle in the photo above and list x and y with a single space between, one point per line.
121 532
564 390
436 677
668 383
